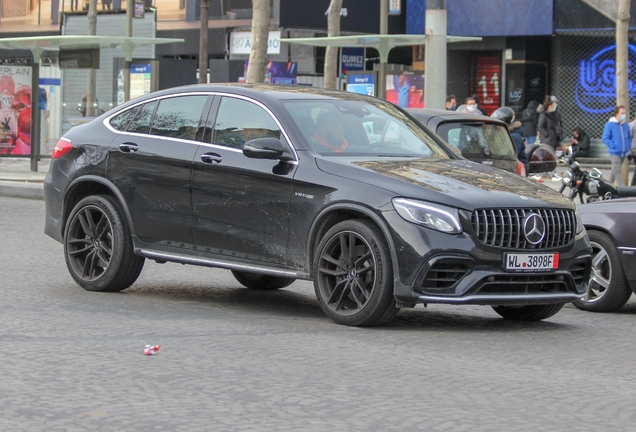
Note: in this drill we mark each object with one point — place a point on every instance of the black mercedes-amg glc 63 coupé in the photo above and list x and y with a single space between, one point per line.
279 183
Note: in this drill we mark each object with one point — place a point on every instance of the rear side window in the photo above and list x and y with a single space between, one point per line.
479 140
178 117
121 121
141 123
239 121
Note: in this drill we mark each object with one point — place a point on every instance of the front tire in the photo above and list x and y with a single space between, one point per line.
98 246
607 289
261 282
528 313
354 275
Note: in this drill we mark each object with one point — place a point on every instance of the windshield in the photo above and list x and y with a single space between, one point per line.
346 127
479 140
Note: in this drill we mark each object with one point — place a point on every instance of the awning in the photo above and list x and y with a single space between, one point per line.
37 44
383 43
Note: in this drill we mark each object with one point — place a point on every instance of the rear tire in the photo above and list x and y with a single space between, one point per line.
261 282
528 313
607 289
354 275
98 246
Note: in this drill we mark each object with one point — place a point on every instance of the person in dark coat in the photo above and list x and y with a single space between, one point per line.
516 133
530 120
550 126
580 143
483 111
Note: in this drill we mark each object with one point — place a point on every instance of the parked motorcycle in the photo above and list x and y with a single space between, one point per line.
590 183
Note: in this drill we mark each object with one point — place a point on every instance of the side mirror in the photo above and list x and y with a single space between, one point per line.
265 148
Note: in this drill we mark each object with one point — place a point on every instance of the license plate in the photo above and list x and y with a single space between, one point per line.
531 262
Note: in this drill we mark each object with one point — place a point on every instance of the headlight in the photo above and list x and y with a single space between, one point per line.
434 216
579 223
567 178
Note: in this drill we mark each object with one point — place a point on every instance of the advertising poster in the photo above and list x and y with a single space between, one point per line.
405 90
352 59
140 80
277 72
15 110
361 84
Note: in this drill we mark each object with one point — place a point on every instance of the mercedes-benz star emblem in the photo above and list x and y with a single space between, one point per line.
534 228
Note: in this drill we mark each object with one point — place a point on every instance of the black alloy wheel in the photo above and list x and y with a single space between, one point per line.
354 275
98 246
607 289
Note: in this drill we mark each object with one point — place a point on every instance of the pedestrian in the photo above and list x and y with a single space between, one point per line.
550 126
618 139
478 102
516 133
451 102
580 143
471 105
106 4
74 5
530 119
632 153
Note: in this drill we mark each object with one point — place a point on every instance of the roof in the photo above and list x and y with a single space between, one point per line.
426 115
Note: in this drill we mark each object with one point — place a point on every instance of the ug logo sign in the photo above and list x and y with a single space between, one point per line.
595 90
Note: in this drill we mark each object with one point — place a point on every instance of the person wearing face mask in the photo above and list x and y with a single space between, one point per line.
451 103
471 105
479 108
618 139
550 127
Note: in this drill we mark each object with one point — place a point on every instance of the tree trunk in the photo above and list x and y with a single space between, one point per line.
203 42
331 56
260 36
91 82
622 49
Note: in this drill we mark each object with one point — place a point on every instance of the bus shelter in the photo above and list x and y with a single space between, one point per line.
39 44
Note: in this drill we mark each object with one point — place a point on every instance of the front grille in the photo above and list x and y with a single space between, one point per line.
504 227
525 284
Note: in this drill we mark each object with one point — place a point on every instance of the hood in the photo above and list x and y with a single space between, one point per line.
613 120
458 183
532 105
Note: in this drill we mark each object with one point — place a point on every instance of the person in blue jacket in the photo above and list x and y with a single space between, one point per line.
618 139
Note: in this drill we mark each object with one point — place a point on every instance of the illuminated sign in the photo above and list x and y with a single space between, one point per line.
595 90
361 83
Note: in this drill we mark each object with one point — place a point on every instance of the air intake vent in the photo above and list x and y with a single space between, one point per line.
526 284
444 275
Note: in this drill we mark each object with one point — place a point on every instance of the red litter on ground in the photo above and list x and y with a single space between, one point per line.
151 349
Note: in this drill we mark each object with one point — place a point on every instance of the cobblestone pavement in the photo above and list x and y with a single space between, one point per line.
235 360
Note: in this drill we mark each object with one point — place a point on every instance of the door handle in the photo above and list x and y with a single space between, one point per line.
211 158
128 147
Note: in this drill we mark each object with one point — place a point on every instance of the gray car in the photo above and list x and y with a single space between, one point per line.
612 232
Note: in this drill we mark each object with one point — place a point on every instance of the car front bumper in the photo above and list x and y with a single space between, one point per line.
434 267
